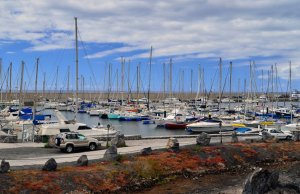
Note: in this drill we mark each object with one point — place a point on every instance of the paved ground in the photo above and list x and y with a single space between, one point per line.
20 155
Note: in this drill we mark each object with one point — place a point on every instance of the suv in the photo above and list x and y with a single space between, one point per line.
277 133
69 141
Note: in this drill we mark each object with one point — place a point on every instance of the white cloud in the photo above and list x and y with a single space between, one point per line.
233 29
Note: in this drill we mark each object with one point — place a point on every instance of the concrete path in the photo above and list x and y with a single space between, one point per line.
27 154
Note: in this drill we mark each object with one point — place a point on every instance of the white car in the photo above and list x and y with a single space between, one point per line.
277 133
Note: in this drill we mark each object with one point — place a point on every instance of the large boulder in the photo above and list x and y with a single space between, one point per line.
4 166
146 151
173 144
82 161
111 153
50 165
267 136
234 137
261 181
118 140
203 139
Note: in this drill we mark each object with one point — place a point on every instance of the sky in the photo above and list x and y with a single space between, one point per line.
190 32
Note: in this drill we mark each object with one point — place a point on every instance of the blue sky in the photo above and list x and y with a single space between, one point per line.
191 32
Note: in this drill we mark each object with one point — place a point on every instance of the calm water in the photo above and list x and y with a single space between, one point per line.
126 127
136 128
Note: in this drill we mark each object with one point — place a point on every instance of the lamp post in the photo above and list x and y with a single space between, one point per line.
108 126
220 125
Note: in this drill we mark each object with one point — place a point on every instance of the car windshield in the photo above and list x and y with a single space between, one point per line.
81 136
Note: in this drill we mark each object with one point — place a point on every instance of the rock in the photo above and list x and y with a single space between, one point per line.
266 136
234 137
4 166
82 161
203 139
111 153
173 144
50 165
146 151
261 181
118 140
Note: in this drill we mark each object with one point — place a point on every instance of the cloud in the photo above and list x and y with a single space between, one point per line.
232 29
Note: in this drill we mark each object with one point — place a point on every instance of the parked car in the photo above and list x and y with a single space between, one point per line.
69 141
277 133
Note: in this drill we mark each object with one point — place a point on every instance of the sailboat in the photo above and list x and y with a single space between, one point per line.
64 125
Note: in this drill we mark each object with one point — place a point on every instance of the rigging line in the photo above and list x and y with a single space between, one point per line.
211 86
29 76
4 79
88 60
225 83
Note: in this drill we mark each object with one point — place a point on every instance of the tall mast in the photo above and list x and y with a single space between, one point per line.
230 81
251 96
171 89
122 82
109 81
1 75
203 85
117 84
68 82
128 82
150 66
44 84
138 82
290 78
10 82
76 48
191 82
164 71
56 79
262 81
36 81
21 86
220 84
199 82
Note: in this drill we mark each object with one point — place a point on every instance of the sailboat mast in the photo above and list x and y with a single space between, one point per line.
191 82
44 84
150 66
1 75
122 82
164 71
21 86
171 89
290 77
230 82
10 82
138 82
36 80
128 82
76 60
220 85
68 82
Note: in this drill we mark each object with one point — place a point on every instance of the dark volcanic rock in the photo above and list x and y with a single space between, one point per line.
118 140
267 136
50 165
173 144
261 181
146 151
82 161
111 153
4 166
234 137
203 139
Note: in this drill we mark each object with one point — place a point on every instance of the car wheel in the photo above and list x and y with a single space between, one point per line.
92 146
288 138
69 148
